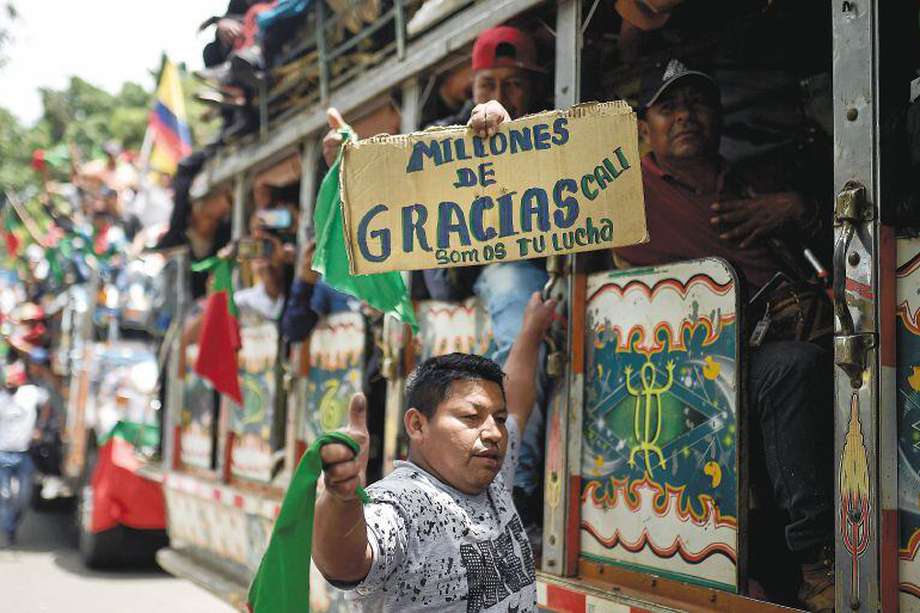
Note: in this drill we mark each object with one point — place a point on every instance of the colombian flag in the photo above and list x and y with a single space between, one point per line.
172 138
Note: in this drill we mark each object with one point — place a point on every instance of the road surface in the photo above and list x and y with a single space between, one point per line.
43 572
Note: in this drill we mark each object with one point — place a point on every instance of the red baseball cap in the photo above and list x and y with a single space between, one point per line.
505 46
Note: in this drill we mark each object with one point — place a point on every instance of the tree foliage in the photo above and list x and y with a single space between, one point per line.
87 117
8 15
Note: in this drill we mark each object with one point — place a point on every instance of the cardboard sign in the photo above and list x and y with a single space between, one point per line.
552 183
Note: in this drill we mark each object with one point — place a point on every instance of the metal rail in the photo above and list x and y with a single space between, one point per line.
427 51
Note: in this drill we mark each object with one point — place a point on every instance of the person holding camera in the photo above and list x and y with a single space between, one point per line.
270 250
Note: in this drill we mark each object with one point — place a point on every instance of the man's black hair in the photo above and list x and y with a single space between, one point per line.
429 385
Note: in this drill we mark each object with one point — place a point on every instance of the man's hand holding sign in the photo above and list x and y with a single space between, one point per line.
500 190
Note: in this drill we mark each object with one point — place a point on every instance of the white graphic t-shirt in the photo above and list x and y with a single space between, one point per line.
18 413
438 549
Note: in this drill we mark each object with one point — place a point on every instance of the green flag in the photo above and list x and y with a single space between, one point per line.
384 291
282 583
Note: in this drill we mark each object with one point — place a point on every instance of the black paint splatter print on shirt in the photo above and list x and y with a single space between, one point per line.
438 549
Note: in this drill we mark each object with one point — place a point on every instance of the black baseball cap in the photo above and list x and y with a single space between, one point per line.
660 77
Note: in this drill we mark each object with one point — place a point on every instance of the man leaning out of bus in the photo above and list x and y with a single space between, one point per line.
696 206
506 69
441 532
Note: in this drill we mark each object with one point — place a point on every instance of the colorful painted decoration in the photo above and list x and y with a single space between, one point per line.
251 422
197 423
337 347
908 391
660 457
445 327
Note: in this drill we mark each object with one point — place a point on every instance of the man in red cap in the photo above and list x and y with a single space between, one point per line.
505 73
505 69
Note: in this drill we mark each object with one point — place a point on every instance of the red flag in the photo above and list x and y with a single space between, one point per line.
217 346
12 243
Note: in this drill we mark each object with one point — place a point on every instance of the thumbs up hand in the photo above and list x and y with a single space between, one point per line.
333 140
343 470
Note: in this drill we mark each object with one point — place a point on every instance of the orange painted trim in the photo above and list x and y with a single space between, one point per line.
562 600
577 313
573 526
889 560
670 593
300 448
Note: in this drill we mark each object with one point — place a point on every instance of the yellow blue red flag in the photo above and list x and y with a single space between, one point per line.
168 125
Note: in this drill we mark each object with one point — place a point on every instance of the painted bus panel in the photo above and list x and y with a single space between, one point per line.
659 470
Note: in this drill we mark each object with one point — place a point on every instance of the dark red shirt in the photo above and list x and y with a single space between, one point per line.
678 217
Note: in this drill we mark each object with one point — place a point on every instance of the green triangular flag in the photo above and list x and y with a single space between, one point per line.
282 583
383 291
222 278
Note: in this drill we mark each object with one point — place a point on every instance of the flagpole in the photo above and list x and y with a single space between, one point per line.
144 163
146 148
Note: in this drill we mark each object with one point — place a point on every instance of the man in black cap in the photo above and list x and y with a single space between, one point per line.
698 206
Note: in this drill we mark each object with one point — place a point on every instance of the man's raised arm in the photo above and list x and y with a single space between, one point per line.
521 365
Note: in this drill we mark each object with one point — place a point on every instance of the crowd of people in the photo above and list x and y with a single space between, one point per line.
88 220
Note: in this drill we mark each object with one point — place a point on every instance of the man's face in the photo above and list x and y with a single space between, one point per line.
509 85
464 442
261 268
685 123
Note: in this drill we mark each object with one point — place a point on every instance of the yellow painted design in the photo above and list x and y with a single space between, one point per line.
331 407
711 369
914 379
598 464
854 466
714 471
647 441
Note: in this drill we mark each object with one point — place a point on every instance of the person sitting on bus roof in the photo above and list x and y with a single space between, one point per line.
441 532
697 206
505 68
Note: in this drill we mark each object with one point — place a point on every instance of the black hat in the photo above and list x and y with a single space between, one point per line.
657 79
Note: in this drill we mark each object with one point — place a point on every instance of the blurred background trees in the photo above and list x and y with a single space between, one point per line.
86 117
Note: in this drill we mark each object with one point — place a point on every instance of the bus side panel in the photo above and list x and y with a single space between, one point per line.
251 423
445 327
660 469
196 425
908 390
218 520
337 360
336 370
